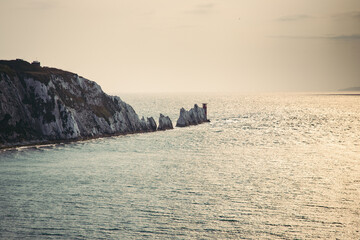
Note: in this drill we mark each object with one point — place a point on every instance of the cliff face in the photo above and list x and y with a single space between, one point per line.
194 116
40 104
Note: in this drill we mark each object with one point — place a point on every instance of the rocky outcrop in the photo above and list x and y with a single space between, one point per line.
165 123
149 123
40 104
194 116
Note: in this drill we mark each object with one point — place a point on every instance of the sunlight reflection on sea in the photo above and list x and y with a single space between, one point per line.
267 166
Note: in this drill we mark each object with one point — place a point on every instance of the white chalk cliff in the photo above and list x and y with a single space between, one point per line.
39 104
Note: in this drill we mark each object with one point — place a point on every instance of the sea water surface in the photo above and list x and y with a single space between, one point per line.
281 166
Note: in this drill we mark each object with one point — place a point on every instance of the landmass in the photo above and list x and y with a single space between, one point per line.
352 89
41 104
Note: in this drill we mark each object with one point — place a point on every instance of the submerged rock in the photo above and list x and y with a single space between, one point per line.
194 116
40 104
165 123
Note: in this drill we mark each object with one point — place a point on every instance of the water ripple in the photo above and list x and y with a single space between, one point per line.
266 167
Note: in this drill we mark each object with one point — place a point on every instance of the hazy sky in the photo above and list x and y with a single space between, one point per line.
190 45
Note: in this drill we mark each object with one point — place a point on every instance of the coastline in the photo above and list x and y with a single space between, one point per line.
34 143
82 139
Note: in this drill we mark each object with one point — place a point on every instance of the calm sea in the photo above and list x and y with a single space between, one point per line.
283 166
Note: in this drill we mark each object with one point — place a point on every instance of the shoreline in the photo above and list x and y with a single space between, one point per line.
34 143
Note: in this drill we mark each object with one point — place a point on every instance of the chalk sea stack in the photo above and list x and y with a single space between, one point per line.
42 104
165 123
194 116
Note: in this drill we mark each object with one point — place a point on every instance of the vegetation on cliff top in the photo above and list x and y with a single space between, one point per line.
25 69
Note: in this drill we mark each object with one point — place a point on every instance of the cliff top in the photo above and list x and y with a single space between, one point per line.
21 67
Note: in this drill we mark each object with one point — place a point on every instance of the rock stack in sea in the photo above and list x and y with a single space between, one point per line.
194 116
41 104
165 123
149 123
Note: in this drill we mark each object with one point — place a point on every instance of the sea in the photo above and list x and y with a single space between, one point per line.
267 166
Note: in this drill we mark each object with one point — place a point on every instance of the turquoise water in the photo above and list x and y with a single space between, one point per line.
266 167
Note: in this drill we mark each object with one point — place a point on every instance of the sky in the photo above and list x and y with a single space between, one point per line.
190 45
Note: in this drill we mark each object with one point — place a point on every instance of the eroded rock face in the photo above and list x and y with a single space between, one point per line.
165 123
40 103
149 123
194 116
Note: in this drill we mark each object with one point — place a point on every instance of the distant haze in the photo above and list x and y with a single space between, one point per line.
197 45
